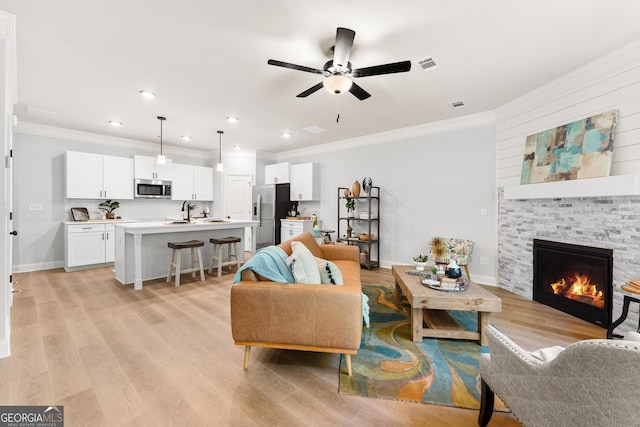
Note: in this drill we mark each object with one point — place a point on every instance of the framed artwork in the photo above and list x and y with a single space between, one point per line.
581 149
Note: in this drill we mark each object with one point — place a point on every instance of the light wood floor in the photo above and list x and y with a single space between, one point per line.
164 356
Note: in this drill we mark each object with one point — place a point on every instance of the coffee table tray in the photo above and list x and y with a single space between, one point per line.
460 284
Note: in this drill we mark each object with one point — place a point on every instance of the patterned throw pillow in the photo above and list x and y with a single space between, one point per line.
303 264
329 272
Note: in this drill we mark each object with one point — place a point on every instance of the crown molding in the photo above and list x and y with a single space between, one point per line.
473 120
94 138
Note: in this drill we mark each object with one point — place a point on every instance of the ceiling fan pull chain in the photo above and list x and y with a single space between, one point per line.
338 108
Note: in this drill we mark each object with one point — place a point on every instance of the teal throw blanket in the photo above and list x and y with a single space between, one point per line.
269 262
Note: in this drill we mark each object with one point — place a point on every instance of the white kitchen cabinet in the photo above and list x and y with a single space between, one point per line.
88 245
97 176
147 167
277 173
192 183
290 228
305 182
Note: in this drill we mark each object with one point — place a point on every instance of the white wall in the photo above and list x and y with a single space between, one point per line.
39 171
611 82
434 180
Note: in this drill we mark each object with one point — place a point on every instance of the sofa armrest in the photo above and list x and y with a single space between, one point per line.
297 314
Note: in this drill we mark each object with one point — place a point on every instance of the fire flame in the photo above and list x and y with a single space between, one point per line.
580 288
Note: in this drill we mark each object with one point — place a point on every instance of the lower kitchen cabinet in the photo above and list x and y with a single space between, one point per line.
290 228
88 245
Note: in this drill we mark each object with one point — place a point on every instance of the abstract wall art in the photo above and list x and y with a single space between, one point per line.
581 149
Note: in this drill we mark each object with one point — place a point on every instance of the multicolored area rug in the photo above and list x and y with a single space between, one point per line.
389 365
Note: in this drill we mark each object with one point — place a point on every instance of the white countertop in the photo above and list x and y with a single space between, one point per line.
177 226
100 221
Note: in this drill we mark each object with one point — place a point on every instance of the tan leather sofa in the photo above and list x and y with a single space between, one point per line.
324 318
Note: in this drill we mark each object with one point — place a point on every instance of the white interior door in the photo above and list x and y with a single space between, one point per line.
238 187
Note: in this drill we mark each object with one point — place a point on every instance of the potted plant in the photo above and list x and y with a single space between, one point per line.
420 261
351 206
109 206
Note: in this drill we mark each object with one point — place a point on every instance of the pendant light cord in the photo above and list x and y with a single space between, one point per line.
162 119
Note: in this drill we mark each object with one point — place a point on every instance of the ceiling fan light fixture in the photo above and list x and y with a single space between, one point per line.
337 83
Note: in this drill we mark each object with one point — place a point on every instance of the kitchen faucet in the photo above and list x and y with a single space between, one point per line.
186 202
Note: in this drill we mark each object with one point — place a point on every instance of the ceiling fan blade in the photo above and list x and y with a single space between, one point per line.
358 92
396 67
294 66
342 48
310 91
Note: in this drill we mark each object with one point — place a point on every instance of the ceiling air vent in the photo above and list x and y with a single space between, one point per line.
314 129
427 64
456 104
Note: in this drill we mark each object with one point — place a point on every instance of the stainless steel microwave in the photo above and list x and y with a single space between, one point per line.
151 189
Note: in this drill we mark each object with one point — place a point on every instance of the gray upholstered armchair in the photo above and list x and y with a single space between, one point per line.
589 383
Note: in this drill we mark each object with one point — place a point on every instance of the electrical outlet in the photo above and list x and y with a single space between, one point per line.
35 207
484 260
483 211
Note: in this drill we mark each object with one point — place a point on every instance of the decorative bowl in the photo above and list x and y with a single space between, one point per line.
366 236
420 265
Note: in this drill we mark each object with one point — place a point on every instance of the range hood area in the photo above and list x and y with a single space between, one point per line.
617 185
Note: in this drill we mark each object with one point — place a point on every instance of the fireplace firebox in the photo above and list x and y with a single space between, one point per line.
575 279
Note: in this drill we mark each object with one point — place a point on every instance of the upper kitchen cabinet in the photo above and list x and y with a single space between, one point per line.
277 173
192 183
96 176
305 182
148 168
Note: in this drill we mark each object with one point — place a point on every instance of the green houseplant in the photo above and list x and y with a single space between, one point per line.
109 206
351 206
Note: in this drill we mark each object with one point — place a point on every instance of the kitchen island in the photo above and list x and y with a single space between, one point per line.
141 251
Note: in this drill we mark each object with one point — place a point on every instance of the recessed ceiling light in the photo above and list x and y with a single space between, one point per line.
186 138
286 135
147 94
115 124
236 147
232 119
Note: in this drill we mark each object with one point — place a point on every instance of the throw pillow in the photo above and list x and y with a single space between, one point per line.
632 336
329 272
303 264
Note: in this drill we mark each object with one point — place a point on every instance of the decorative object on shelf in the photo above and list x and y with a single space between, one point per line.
349 231
453 270
355 189
366 184
420 261
347 192
350 204
364 257
581 149
438 249
365 236
109 206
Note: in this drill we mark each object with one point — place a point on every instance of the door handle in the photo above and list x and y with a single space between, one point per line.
14 232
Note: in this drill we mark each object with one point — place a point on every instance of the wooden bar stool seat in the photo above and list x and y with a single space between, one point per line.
216 253
175 262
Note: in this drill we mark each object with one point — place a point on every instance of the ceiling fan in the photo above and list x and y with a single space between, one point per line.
338 71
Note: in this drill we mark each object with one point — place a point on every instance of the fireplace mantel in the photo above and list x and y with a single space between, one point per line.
617 185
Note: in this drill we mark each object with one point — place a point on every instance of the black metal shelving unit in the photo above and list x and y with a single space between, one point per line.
368 225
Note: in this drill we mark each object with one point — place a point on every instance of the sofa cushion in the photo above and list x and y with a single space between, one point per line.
303 264
329 272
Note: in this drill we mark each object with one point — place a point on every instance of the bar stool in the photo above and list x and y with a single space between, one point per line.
231 242
195 246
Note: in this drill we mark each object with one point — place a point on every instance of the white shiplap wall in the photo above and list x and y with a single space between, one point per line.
611 82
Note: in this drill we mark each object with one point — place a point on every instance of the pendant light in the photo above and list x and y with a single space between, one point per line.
220 168
161 158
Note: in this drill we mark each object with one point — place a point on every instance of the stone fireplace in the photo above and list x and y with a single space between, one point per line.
575 279
609 222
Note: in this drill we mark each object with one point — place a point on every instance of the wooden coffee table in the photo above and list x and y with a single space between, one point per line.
429 307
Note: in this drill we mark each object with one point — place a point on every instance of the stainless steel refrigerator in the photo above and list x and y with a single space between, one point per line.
271 203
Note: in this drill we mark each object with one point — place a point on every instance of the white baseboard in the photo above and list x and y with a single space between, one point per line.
24 268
